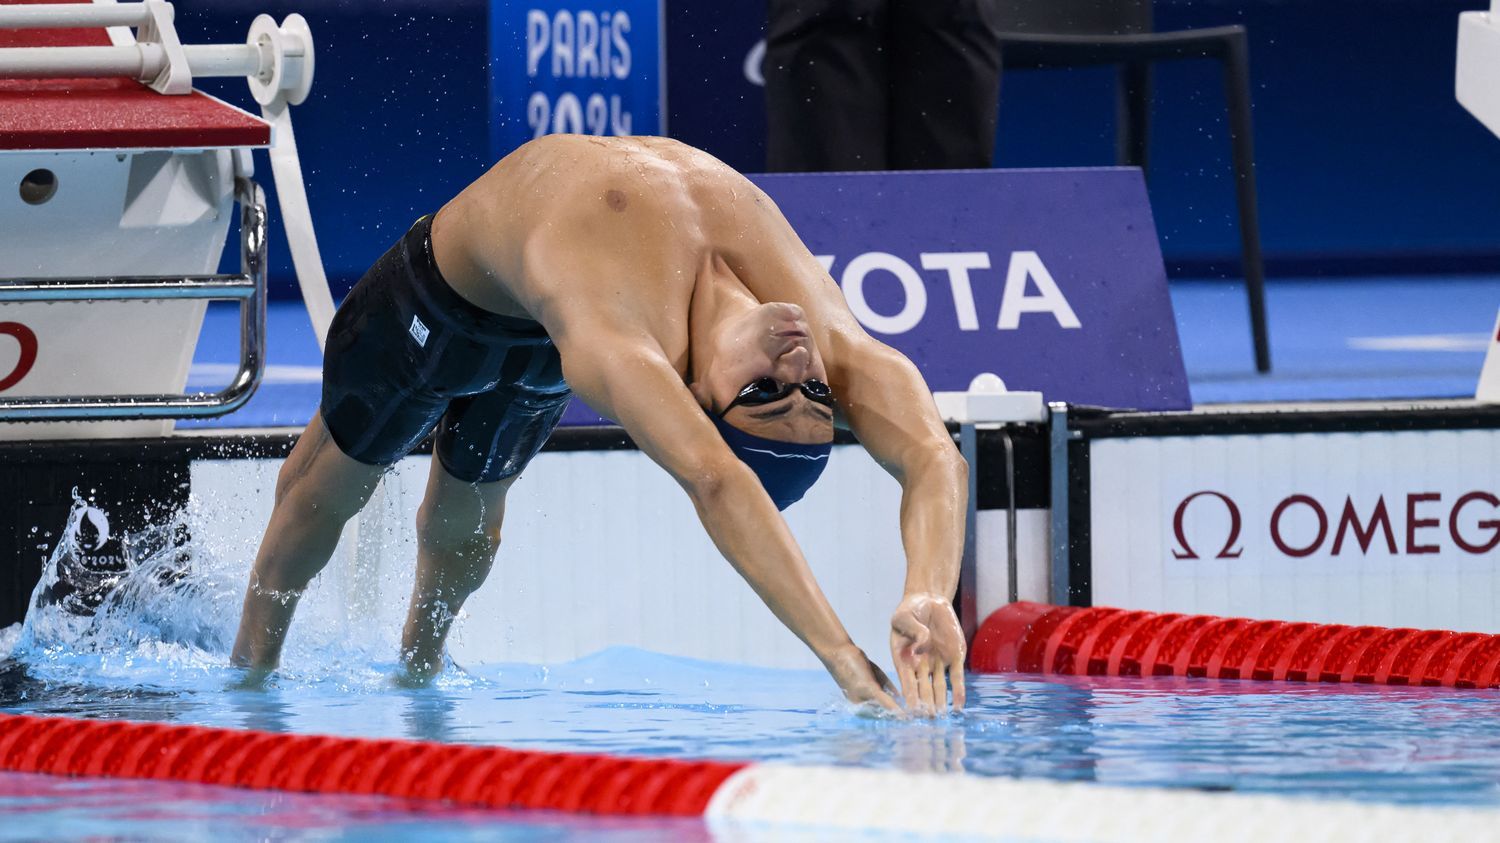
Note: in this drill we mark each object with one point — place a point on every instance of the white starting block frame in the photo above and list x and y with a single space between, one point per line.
987 404
173 204
248 288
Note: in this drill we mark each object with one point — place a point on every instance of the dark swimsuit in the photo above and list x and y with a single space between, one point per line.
406 353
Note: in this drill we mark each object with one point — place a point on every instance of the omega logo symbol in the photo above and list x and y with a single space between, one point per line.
1185 550
27 339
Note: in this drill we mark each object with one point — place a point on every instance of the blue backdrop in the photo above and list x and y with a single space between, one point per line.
1366 161
585 66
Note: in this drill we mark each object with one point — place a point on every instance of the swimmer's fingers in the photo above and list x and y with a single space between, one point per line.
906 666
907 670
860 679
888 702
956 677
884 692
925 690
881 679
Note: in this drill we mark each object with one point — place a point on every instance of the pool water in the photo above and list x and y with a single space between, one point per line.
156 650
1407 745
39 807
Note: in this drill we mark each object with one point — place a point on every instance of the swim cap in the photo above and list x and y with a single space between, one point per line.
786 469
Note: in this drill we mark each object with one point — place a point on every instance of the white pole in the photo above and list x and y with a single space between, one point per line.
138 61
227 59
73 16
296 215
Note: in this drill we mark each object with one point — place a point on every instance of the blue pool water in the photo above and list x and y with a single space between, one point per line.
157 651
1407 745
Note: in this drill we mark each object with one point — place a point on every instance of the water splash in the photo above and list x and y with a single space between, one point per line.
128 606
159 607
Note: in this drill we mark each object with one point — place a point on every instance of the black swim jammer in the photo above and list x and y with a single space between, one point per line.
407 353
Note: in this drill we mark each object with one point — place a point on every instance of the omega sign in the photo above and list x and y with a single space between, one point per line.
1300 525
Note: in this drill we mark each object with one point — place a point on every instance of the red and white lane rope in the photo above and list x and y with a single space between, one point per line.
1036 638
728 795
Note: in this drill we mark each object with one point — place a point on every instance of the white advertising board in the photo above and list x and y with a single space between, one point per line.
601 549
1389 528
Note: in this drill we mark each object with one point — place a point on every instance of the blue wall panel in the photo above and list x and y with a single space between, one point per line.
1364 154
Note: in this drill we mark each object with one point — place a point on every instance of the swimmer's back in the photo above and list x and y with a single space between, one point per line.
589 233
647 205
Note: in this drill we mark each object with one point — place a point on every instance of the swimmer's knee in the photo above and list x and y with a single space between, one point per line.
288 478
443 534
299 489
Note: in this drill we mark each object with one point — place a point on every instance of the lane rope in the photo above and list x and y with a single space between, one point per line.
731 797
479 776
1027 637
953 805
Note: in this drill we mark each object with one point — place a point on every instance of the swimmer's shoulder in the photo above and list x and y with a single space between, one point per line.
658 162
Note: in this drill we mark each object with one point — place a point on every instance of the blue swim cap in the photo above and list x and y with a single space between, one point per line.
786 469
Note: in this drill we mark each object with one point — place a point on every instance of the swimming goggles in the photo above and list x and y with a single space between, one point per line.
769 390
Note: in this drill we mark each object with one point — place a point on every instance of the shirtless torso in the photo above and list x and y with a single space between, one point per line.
578 228
640 257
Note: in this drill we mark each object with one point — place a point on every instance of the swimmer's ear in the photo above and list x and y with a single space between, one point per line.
702 396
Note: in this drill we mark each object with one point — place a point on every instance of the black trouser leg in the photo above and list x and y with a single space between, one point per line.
826 85
945 83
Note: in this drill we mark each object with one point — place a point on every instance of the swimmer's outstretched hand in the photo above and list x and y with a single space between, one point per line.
861 679
928 646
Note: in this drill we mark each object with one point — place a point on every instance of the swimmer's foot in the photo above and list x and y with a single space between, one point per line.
253 679
408 678
417 671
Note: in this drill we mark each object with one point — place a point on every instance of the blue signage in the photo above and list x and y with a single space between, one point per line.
578 66
1051 279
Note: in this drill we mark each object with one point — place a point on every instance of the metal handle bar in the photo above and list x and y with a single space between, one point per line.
249 288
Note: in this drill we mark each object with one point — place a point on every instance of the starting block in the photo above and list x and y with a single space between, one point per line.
117 184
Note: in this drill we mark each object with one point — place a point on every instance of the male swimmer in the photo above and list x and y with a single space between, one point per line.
669 293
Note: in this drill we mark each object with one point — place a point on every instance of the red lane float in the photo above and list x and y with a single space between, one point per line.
727 796
481 776
1036 638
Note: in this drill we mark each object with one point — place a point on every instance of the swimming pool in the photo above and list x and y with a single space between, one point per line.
157 652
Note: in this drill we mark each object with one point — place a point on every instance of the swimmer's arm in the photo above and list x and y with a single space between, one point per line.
887 405
885 402
881 396
632 382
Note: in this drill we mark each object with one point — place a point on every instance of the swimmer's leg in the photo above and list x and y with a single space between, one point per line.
319 488
458 534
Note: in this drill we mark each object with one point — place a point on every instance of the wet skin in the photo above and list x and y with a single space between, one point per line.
668 282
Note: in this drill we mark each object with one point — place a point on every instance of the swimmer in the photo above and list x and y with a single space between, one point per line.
669 293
